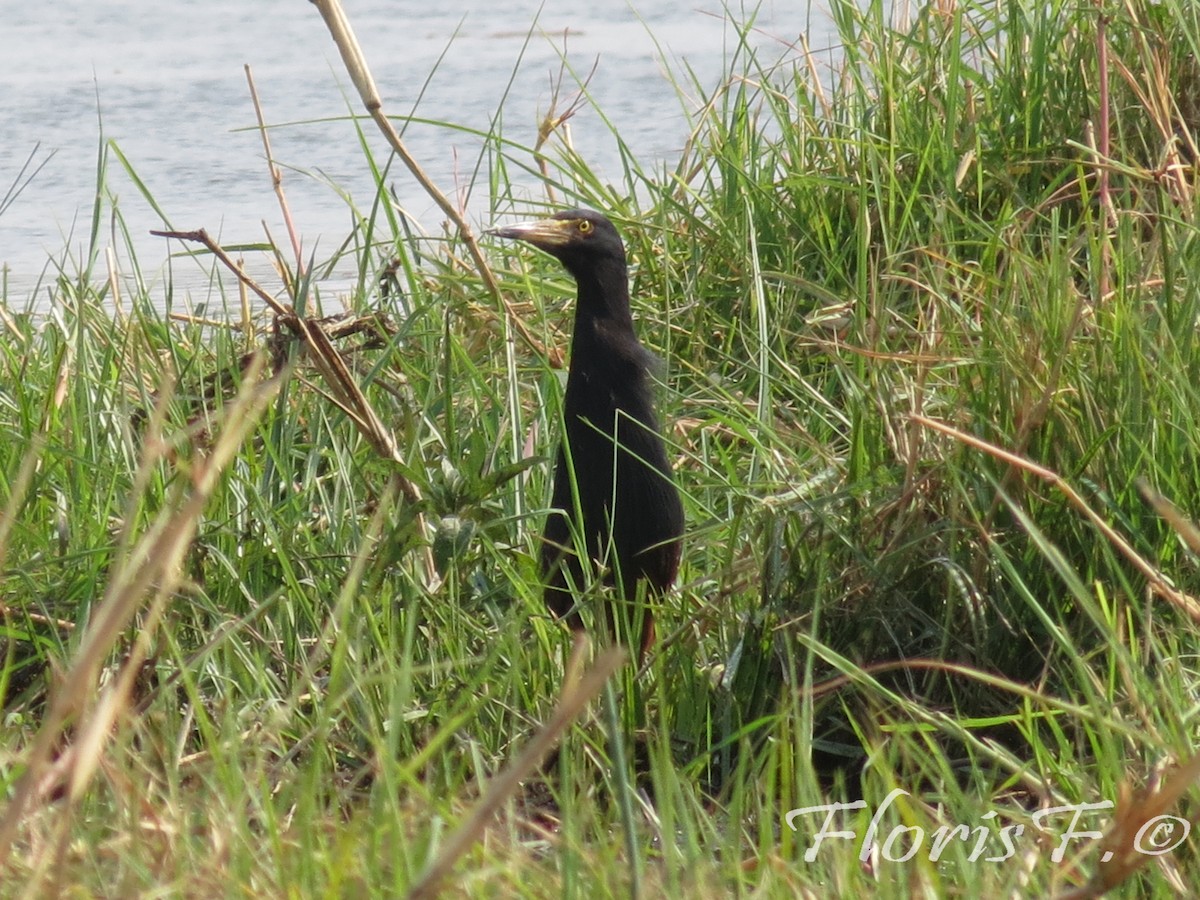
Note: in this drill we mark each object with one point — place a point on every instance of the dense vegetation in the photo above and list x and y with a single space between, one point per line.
929 331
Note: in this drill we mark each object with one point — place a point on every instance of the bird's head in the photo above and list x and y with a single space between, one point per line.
579 238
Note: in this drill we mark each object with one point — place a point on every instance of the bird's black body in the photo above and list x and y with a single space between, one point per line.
629 508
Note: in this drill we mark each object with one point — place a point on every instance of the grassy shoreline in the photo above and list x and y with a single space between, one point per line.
927 353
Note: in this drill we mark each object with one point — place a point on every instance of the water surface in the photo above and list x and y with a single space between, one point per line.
166 83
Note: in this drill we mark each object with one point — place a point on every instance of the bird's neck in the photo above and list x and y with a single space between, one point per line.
604 297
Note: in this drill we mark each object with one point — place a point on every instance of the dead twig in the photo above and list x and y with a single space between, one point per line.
200 236
1159 583
344 391
356 65
554 120
276 177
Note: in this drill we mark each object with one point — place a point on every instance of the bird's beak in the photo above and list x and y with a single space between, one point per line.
543 233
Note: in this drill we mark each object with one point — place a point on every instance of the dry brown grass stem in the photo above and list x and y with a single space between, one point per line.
360 73
344 392
1159 583
147 567
276 176
1139 819
1170 513
18 490
555 121
201 237
578 691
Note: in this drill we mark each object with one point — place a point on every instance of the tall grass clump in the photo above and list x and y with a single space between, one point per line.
272 619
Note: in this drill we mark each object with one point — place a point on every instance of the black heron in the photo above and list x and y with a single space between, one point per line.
611 464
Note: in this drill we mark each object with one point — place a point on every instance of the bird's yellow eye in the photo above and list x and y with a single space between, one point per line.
585 227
